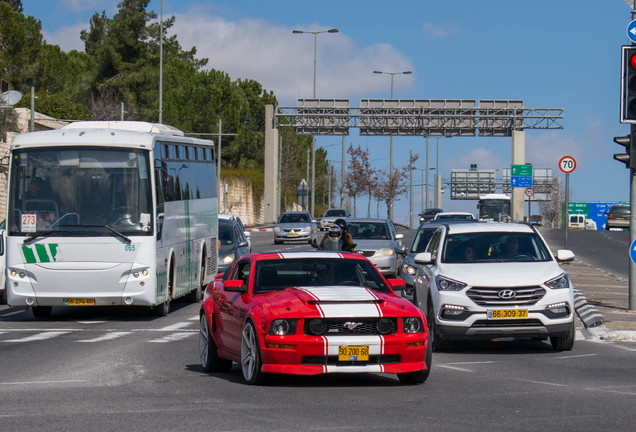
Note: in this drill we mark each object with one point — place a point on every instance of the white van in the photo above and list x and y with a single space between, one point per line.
576 221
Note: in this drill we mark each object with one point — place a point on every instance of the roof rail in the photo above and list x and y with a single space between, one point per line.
135 126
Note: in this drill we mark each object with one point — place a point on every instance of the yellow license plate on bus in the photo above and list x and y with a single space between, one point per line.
79 302
353 353
507 313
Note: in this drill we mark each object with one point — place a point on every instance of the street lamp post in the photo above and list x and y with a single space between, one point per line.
391 145
313 142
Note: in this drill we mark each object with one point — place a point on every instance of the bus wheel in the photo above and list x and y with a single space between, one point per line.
196 294
41 311
163 309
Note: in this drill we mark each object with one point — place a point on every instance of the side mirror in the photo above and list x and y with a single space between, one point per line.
400 249
423 258
396 283
168 190
399 236
243 244
564 255
234 285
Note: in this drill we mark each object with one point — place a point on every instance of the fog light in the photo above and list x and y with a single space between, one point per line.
29 301
145 272
136 275
317 326
384 325
128 300
22 274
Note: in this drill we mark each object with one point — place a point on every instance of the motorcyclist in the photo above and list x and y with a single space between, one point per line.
337 238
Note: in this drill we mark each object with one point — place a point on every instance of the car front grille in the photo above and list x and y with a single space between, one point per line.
518 296
351 326
333 360
507 323
366 253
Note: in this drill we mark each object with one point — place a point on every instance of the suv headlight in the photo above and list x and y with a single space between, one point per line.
446 284
561 281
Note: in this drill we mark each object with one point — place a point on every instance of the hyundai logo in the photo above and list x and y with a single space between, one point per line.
507 294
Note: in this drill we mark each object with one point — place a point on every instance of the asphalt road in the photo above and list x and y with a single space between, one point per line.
119 369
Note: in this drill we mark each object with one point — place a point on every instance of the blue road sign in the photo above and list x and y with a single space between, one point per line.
632 251
631 31
521 181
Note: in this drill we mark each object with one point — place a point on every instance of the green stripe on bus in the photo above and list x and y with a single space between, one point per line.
41 251
53 251
29 257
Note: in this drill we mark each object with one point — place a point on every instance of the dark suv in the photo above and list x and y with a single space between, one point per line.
429 214
232 241
618 218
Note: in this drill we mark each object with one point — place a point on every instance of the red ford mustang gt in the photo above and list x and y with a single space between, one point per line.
309 313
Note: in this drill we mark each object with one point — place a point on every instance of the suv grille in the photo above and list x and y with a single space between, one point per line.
337 327
521 296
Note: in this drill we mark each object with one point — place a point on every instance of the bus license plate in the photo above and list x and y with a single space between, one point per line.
353 353
507 313
79 302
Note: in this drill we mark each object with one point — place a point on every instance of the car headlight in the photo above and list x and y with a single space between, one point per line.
306 229
276 229
445 284
282 327
561 281
228 259
384 252
409 269
413 325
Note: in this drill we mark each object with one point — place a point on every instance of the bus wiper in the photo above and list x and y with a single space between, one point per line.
33 236
118 234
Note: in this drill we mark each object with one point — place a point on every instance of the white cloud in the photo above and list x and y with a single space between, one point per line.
484 158
283 62
84 5
439 31
545 150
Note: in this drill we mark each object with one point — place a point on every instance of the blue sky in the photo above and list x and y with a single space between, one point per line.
548 53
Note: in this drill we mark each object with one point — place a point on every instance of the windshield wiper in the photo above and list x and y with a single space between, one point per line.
49 232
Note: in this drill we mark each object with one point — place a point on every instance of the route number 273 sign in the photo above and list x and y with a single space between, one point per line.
567 164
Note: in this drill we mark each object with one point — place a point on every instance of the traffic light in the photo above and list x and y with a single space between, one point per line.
628 158
628 84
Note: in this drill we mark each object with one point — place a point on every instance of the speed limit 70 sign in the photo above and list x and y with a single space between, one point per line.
567 164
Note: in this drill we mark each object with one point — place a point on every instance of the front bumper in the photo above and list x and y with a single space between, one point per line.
314 355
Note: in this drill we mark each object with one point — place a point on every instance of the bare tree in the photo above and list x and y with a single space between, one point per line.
360 174
394 184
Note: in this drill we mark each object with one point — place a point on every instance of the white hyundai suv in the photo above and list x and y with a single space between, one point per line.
494 280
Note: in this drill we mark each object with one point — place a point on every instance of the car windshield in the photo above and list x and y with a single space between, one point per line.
494 247
293 218
369 230
335 213
421 239
454 216
276 275
225 233
620 211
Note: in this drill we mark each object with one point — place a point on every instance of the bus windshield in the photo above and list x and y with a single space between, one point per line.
80 191
497 209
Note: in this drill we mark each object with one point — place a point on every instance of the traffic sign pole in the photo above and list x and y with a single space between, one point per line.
567 216
632 230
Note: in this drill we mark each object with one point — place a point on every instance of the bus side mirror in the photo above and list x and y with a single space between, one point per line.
168 189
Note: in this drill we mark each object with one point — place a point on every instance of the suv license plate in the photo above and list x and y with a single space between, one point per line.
79 302
507 313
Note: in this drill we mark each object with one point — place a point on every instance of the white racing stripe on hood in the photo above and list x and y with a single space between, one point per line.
344 302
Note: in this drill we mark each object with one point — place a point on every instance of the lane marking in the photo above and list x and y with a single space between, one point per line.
38 337
176 326
455 368
541 382
12 313
576 356
41 382
172 337
107 336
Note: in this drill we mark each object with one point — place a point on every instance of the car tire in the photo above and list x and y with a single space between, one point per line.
251 362
566 342
437 342
418 377
41 311
208 354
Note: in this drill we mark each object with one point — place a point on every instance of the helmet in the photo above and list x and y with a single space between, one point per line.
341 223
334 231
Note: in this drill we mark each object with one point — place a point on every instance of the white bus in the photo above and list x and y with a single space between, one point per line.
494 208
110 213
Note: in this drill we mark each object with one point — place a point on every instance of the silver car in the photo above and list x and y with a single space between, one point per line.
378 240
295 226
330 217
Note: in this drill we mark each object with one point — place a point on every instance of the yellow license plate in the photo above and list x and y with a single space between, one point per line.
292 235
507 313
79 302
353 353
